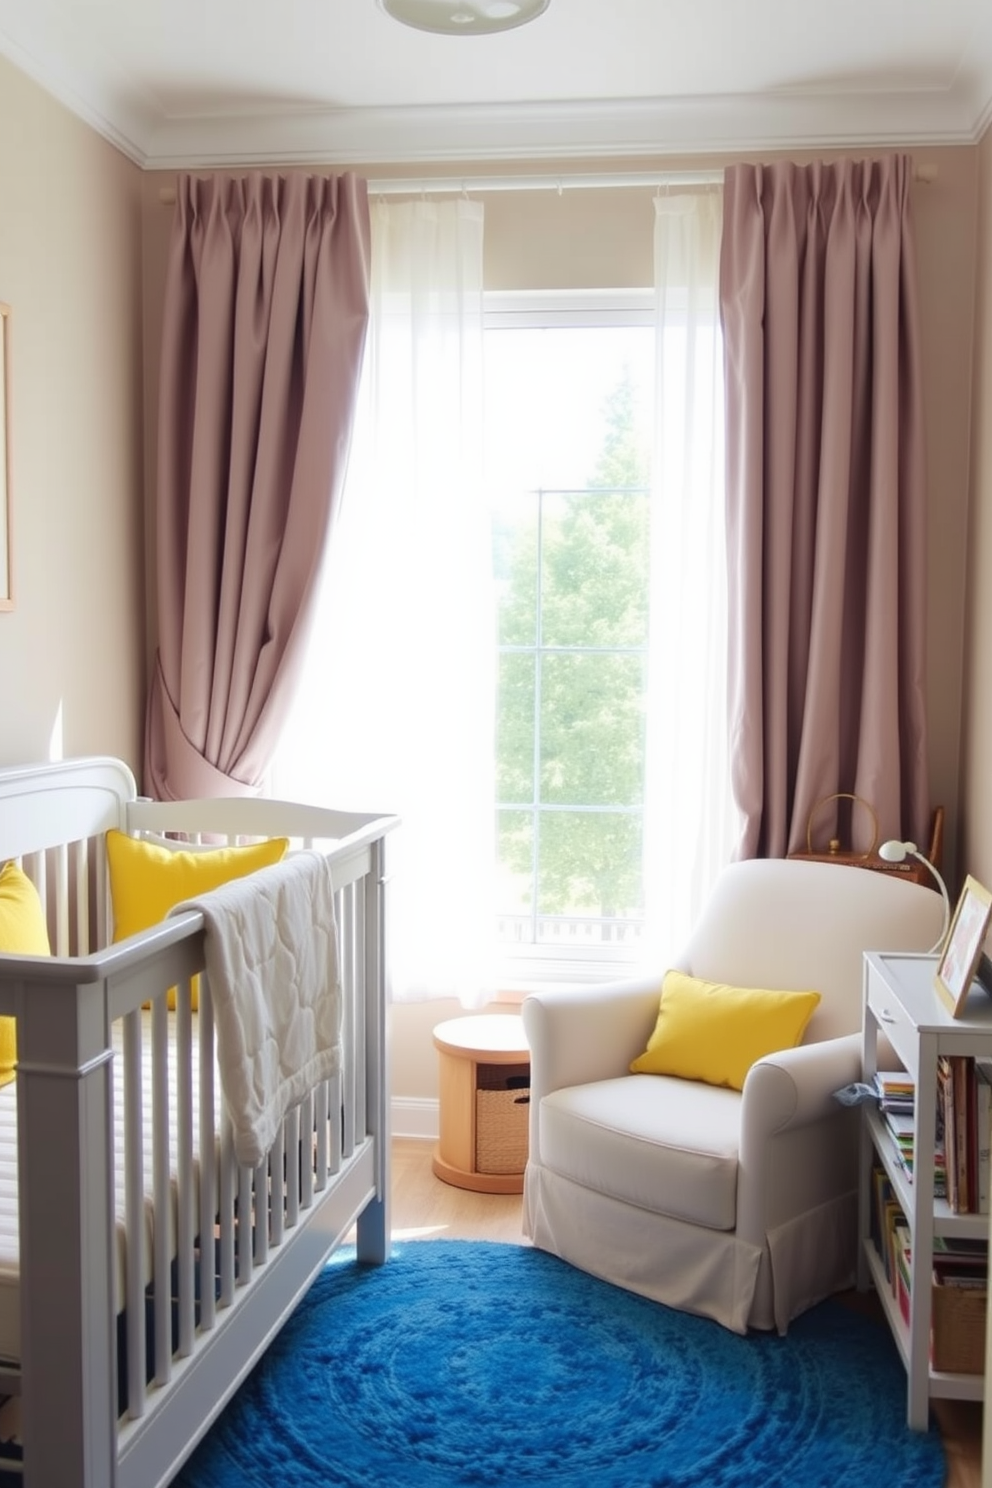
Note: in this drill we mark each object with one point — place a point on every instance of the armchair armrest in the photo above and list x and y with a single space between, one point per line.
585 1034
796 1086
782 1092
588 1033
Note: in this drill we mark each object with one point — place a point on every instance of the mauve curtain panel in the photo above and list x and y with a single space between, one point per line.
826 513
264 325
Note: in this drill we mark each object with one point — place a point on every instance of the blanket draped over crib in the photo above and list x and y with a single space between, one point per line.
271 955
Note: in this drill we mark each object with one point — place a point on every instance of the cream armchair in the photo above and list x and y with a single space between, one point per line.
738 1205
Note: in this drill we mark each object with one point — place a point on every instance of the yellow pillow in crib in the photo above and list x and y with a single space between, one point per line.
147 880
23 932
712 1032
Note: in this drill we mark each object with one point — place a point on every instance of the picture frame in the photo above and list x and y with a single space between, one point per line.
6 561
961 956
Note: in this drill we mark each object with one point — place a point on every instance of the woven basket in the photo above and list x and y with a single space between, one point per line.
502 1111
957 1329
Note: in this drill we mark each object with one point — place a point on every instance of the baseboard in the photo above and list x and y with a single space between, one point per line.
413 1116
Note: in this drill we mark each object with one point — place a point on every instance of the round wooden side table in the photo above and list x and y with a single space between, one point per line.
484 1102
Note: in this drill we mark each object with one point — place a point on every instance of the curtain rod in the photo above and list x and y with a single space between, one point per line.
566 182
438 185
654 180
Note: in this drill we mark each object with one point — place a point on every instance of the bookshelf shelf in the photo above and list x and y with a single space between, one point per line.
902 1009
945 1221
896 1322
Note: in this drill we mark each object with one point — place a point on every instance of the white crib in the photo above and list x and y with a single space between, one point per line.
120 1366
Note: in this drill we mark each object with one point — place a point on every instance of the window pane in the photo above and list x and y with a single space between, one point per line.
515 530
594 568
592 729
550 397
515 729
590 884
515 875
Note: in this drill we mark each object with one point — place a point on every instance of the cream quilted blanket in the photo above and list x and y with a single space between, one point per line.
272 962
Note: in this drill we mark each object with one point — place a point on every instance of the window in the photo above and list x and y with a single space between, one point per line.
569 410
521 642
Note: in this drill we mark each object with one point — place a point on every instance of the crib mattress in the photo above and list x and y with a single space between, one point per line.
10 1321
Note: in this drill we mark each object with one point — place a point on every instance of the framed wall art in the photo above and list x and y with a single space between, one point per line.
962 954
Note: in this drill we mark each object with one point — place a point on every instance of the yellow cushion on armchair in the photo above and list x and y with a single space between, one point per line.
713 1032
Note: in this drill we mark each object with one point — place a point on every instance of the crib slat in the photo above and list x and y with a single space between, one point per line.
335 1098
186 1219
320 1154
342 906
357 968
306 1152
81 897
226 1217
162 1192
244 1225
260 1227
60 890
291 1125
208 1170
134 1215
277 1219
104 913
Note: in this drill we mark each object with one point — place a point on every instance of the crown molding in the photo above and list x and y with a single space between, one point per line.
984 121
620 128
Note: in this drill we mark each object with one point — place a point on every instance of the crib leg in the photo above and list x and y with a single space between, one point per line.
373 1238
64 1109
373 1241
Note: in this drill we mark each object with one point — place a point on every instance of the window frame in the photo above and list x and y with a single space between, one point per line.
534 966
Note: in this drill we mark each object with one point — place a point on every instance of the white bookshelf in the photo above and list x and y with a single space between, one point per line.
901 1005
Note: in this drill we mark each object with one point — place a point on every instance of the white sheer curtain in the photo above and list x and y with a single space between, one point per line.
396 712
690 820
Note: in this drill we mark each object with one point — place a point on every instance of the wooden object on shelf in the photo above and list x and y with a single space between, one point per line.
833 852
484 1102
935 851
900 1003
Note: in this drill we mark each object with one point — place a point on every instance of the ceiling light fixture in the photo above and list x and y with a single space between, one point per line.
464 17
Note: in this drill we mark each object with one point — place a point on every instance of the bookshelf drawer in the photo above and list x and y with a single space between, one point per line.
893 1020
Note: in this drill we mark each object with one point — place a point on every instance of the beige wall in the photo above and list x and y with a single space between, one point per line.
976 751
71 652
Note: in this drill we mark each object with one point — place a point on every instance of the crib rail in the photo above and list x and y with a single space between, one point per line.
142 1186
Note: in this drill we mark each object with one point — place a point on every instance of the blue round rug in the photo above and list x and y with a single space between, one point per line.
472 1363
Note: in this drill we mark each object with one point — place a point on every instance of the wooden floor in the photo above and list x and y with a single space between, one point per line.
425 1208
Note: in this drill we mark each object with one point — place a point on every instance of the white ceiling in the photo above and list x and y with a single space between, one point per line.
187 83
